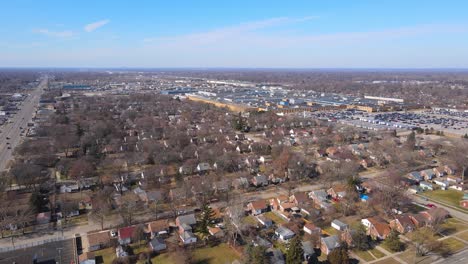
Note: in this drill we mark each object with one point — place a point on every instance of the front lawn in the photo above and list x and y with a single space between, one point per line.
453 244
377 253
364 255
463 235
453 226
451 197
215 255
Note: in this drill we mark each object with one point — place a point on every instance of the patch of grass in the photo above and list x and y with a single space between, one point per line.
275 218
451 197
330 231
165 258
108 254
452 226
281 246
377 253
250 220
463 235
364 255
453 244
216 255
409 256
138 248
388 261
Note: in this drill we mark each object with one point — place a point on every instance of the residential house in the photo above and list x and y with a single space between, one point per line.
436 215
187 237
419 220
257 207
403 224
259 181
415 175
337 192
154 196
158 227
157 244
240 183
376 227
426 185
428 174
185 221
99 240
450 170
300 198
312 229
275 202
327 244
338 225
266 222
284 233
216 232
203 167
125 235
439 171
319 197
454 179
444 184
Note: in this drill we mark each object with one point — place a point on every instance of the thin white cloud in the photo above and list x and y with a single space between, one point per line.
95 25
229 31
56 34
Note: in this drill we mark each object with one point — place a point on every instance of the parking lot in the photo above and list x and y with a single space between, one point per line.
53 252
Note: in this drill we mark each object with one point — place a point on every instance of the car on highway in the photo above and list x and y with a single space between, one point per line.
8 147
7 138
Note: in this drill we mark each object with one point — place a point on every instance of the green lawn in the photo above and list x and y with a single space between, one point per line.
463 235
364 255
451 197
453 226
107 254
330 231
409 256
216 255
275 218
377 253
250 220
453 244
388 261
165 258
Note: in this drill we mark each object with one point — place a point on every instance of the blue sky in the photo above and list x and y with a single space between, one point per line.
246 34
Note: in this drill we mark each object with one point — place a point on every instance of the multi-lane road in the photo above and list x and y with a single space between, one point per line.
10 132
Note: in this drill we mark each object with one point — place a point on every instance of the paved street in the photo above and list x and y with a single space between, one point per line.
459 258
453 213
20 119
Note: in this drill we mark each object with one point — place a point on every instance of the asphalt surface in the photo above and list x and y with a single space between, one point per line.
20 119
459 258
63 252
453 212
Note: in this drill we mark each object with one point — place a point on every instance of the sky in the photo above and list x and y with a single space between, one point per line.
234 34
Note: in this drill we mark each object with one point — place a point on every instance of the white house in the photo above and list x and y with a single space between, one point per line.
188 237
284 233
338 225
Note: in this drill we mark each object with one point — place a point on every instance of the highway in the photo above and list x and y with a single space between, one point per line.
12 130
